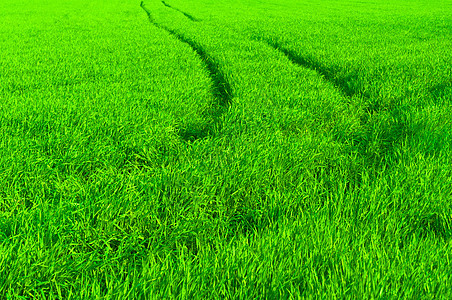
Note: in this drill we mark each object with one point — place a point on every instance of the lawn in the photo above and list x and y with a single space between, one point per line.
280 149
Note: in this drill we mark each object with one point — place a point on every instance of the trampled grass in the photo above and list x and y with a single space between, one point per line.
225 149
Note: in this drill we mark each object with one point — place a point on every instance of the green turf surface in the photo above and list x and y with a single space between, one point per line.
231 149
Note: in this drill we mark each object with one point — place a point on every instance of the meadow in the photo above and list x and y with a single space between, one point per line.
277 149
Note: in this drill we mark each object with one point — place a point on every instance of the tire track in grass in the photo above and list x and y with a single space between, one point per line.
296 62
346 88
378 138
385 130
221 88
182 12
392 131
343 85
392 125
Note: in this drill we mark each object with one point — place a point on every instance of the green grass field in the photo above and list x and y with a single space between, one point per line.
277 149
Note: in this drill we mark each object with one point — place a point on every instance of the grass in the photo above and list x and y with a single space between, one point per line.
234 149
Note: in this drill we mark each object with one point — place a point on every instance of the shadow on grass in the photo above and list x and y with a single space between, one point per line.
424 226
441 90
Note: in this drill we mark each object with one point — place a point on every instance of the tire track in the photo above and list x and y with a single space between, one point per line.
343 85
182 12
382 129
221 87
349 87
392 124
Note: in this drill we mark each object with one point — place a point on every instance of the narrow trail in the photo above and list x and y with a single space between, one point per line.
221 88
182 12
